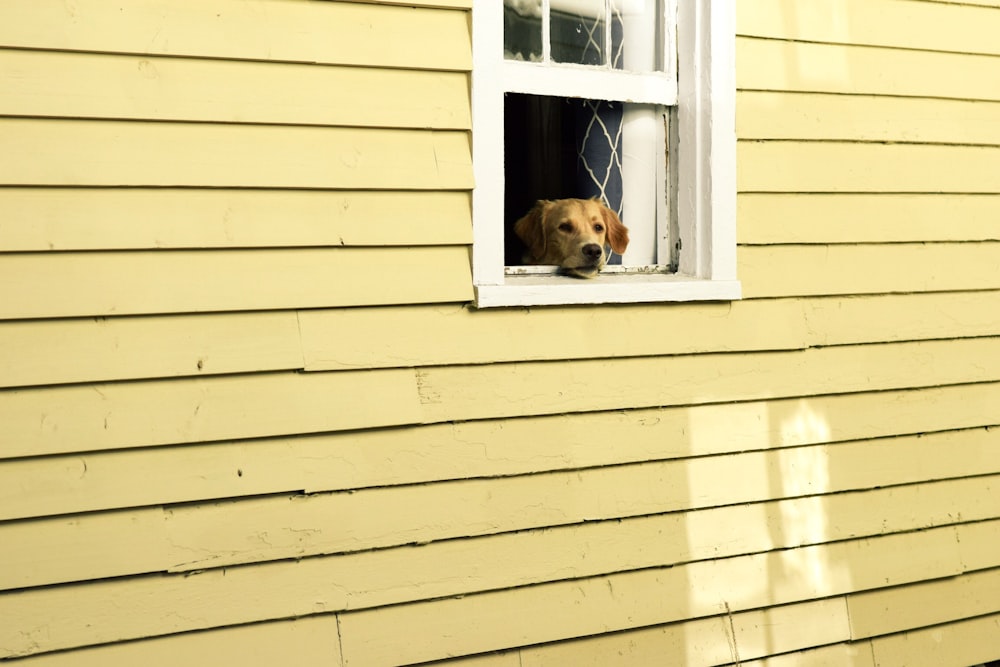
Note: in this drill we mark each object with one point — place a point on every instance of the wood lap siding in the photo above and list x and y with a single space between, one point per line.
246 405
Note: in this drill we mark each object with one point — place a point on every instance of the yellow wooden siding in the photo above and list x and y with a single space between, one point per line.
251 531
780 65
796 166
825 117
907 25
77 615
350 339
142 218
954 645
37 285
462 392
119 415
803 218
267 30
43 352
100 153
409 336
312 640
143 87
352 460
710 641
246 387
784 270
97 481
852 319
490 621
930 603
838 655
984 3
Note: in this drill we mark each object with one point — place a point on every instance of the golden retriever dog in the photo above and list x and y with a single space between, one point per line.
571 233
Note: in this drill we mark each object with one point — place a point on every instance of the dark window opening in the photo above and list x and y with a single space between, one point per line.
556 148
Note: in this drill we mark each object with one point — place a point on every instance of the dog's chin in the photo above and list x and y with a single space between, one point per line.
586 271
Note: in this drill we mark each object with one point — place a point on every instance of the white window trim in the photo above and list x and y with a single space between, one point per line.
705 166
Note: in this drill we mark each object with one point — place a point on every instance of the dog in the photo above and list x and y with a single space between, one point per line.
571 233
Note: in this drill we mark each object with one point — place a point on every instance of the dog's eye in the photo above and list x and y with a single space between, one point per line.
598 228
566 227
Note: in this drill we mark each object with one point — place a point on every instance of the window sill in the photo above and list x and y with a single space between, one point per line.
606 288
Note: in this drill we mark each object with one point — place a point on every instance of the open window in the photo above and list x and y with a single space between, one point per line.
628 101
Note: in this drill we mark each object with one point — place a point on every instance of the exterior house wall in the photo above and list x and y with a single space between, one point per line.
248 413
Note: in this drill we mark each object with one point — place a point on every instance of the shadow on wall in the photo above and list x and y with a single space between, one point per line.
783 463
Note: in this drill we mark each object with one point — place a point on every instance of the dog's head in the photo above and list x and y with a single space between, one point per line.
571 233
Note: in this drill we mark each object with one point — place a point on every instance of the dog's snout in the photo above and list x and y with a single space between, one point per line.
592 251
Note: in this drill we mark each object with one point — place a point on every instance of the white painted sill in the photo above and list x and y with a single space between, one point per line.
606 288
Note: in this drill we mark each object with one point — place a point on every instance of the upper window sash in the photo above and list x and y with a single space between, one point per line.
650 83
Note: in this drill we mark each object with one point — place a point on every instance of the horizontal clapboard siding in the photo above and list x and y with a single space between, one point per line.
790 66
796 166
268 529
806 218
69 351
821 270
98 153
122 415
849 115
899 317
842 655
382 458
187 89
41 219
258 645
112 416
407 336
828 117
367 582
709 641
409 633
346 339
347 33
241 384
904 25
882 612
40 285
497 391
43 352
959 644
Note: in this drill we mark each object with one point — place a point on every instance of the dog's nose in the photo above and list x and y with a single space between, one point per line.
592 251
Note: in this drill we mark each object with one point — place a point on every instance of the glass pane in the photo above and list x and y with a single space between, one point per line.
640 28
522 30
579 32
582 32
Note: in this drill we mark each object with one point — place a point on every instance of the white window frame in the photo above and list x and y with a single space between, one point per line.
704 164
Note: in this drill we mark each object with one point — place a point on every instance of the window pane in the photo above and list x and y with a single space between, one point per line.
641 26
579 32
522 30
622 34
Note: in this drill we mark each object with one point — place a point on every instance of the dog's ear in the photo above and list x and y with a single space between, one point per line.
617 233
531 230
